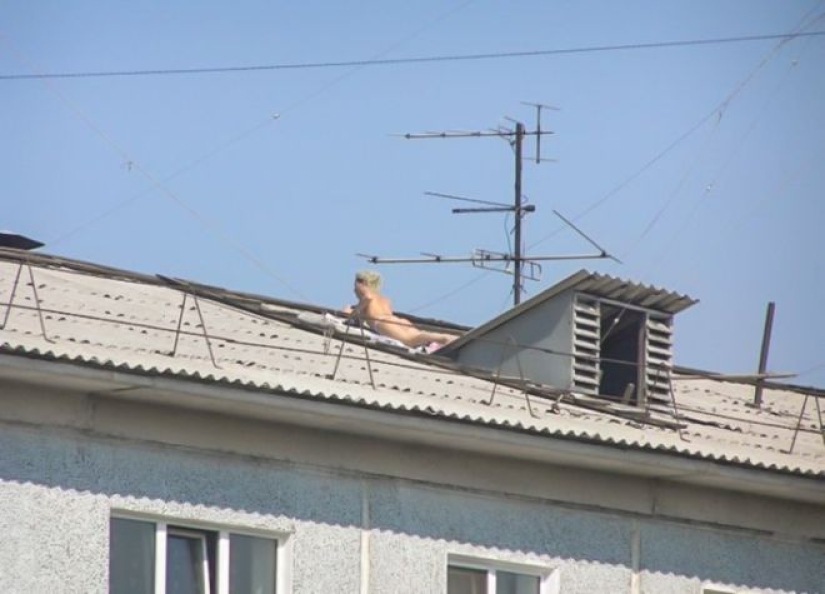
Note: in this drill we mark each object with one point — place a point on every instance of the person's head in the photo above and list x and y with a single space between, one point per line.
367 279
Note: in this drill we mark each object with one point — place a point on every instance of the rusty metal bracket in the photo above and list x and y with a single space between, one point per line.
676 414
799 421
329 331
332 375
36 300
525 392
203 328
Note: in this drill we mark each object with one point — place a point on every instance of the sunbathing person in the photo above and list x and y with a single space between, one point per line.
375 310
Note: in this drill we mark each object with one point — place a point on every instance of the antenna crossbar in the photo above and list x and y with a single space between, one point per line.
473 134
482 257
528 208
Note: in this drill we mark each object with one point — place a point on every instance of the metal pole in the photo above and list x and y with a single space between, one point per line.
517 253
763 355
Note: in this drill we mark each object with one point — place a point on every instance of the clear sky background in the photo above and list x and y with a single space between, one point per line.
702 167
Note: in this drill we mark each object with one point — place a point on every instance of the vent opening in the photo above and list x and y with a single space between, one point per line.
622 351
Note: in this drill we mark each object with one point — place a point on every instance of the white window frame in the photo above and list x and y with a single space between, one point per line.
194 529
548 576
199 536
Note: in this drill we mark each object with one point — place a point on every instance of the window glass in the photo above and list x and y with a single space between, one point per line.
132 558
186 568
192 560
252 565
461 580
516 583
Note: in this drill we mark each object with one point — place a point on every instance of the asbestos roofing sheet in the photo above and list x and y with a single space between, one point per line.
591 283
148 328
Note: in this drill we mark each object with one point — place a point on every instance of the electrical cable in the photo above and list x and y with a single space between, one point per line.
160 184
414 60
357 66
701 152
155 183
664 254
686 221
177 173
717 111
449 294
811 369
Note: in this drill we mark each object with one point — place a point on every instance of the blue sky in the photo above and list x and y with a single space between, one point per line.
192 176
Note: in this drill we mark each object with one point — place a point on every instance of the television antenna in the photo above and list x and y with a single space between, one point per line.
516 263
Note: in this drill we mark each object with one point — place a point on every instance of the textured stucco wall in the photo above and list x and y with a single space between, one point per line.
58 489
679 559
57 492
419 527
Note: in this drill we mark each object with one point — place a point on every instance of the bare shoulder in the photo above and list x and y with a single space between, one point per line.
378 306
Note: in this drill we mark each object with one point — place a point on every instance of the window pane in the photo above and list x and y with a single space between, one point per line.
185 556
516 583
461 580
252 565
131 557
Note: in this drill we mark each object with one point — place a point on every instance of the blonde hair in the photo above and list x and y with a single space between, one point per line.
370 278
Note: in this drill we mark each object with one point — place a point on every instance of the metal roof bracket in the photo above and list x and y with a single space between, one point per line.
525 392
36 299
799 421
332 375
676 414
203 328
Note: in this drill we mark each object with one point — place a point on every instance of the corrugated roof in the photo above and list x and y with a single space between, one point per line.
128 323
591 283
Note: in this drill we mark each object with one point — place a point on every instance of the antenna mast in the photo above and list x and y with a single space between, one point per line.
483 258
517 252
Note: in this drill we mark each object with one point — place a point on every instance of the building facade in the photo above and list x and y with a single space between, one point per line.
161 438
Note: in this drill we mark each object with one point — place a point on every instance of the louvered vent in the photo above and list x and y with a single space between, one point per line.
586 340
659 354
591 333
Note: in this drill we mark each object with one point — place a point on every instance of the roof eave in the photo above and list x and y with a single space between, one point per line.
417 426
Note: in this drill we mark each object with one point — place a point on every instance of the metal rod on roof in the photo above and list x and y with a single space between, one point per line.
205 333
799 423
11 297
37 302
38 306
366 353
736 377
763 355
586 237
522 381
354 316
177 329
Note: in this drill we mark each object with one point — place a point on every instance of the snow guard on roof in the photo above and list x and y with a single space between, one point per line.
590 333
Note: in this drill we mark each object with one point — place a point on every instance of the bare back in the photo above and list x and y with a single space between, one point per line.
376 310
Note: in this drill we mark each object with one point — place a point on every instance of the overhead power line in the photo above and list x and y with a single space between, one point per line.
414 60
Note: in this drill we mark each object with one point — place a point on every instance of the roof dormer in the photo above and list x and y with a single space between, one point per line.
590 333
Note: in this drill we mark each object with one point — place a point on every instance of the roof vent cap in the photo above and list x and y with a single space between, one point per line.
18 242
